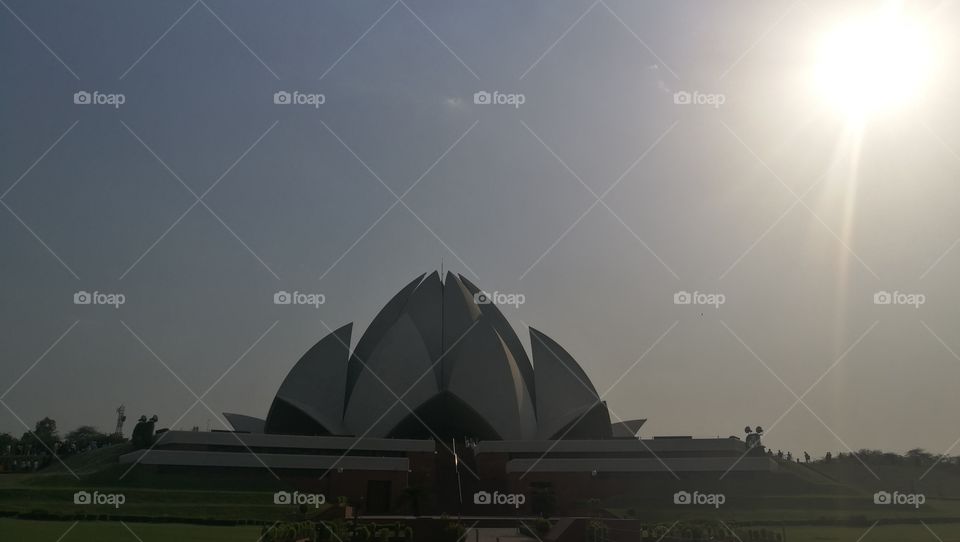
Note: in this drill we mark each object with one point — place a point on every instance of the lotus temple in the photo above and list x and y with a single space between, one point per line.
439 393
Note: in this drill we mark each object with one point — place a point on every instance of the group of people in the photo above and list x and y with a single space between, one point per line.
38 448
18 465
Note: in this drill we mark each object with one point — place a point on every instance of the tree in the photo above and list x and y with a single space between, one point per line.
26 444
46 431
8 444
82 437
43 438
919 456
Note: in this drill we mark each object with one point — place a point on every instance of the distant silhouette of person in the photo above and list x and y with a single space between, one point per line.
142 436
754 446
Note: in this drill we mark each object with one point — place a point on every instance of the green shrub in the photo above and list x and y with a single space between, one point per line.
596 531
289 532
453 532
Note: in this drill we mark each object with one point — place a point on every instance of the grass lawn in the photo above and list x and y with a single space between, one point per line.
247 495
154 503
799 493
15 529
942 532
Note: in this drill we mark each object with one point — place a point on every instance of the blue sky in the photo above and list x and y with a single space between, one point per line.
752 199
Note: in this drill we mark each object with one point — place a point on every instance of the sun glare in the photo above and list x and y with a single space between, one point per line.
874 64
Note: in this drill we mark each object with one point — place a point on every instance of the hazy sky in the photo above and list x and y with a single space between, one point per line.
703 199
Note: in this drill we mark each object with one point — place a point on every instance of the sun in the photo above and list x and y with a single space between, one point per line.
874 64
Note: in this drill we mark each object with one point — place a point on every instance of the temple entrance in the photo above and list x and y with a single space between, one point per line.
378 496
447 417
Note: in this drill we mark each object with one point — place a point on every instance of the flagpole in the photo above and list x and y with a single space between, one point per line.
456 464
